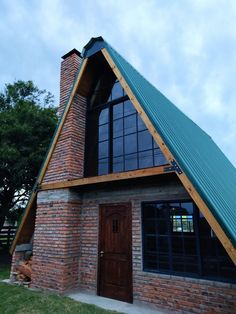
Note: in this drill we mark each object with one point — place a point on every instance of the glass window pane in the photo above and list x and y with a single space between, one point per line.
146 159
163 262
117 91
163 244
118 146
128 108
190 245
155 145
150 261
131 162
150 226
130 124
130 143
118 164
188 207
118 128
159 158
144 140
118 111
141 125
103 149
151 243
149 211
104 116
103 166
103 132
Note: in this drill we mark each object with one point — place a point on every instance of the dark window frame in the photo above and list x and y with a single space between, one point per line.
202 261
125 161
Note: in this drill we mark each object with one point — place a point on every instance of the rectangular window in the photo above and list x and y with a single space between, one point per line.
178 240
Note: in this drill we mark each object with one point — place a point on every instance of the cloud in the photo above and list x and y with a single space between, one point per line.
187 49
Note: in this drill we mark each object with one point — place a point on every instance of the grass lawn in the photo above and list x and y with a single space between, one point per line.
20 300
4 271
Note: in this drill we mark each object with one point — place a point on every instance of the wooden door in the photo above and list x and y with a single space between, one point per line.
115 252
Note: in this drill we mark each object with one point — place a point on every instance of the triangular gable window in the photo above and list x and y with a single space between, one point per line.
117 138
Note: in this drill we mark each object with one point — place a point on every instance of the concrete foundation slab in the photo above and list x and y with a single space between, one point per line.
114 305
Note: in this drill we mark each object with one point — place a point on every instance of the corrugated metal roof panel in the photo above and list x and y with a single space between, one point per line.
211 173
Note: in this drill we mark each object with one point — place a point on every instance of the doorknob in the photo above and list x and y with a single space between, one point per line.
101 253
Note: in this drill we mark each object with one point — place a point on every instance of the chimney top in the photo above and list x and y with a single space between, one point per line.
71 53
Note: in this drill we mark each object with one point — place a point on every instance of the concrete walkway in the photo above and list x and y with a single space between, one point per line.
114 305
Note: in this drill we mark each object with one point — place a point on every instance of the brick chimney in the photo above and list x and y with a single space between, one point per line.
69 68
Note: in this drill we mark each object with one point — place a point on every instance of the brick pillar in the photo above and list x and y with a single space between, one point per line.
56 240
69 69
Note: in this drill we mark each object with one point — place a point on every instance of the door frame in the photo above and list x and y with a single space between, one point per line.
129 207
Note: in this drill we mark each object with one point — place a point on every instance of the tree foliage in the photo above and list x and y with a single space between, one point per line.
27 122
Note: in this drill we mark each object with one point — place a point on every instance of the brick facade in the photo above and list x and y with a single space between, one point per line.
56 238
67 161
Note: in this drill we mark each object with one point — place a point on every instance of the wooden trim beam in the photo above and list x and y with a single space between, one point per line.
140 173
183 178
50 152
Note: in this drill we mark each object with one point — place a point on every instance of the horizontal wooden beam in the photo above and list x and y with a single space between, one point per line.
167 153
105 178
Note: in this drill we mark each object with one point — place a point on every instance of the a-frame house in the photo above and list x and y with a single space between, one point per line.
134 201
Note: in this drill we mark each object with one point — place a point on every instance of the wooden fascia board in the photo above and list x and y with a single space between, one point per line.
140 173
183 177
50 152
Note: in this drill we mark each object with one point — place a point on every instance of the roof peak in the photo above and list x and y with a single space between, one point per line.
93 46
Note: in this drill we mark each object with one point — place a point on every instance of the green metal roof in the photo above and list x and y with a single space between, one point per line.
210 172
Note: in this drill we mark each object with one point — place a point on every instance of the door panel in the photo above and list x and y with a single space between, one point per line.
115 252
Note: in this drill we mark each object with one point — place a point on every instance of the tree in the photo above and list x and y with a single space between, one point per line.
27 123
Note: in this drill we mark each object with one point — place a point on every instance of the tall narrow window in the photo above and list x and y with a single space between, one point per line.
124 142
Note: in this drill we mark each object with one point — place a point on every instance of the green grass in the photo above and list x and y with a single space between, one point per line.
20 300
4 271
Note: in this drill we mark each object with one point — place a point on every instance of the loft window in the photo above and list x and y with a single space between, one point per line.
117 138
178 240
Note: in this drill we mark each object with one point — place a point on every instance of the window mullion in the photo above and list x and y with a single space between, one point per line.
197 238
169 226
110 159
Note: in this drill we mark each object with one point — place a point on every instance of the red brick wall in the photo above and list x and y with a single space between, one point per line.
56 241
69 69
88 246
67 161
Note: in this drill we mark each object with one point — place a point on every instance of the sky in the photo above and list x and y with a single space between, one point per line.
186 48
